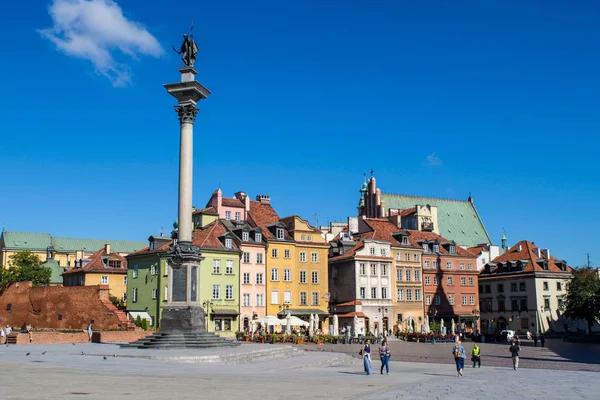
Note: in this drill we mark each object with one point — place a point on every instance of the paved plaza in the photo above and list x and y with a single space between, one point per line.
105 371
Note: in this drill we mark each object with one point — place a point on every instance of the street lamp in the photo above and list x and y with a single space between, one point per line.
476 314
207 305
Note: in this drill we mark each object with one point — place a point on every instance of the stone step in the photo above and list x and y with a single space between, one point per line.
163 341
253 356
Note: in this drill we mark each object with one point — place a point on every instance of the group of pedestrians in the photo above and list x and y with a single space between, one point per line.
384 356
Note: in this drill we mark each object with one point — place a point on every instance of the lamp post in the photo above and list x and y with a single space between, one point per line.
383 310
476 314
207 305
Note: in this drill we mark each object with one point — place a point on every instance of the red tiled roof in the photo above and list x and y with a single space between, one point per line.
359 314
414 236
408 211
208 237
226 201
207 210
261 215
477 249
350 303
97 265
528 252
146 250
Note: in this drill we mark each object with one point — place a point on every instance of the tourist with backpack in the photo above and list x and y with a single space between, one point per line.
459 357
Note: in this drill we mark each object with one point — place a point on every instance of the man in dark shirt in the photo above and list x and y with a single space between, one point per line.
514 349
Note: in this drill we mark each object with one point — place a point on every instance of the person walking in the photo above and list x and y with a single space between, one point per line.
515 349
384 354
366 353
459 357
89 331
542 340
476 356
535 339
29 330
7 331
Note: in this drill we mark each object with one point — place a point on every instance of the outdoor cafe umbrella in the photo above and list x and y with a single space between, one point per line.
335 325
311 324
295 321
453 327
355 326
288 326
270 320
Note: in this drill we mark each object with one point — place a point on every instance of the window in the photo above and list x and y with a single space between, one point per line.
428 300
450 280
415 257
259 278
287 275
372 250
400 294
522 286
522 304
228 243
314 257
436 281
407 256
463 281
513 287
449 265
135 294
437 300
135 271
426 264
303 237
274 274
399 256
374 293
259 258
124 297
417 275
500 287
547 303
227 215
363 269
280 233
303 299
287 297
561 303
315 298
514 303
408 273
154 294
315 277
417 294
471 283
245 236
104 280
286 253
216 292
238 216
408 294
462 266
427 280
545 285
229 267
363 293
404 239
469 266
435 265
125 280
246 300
451 300
501 305
154 269
246 278
488 288
302 256
558 285
399 274
216 266
302 276
245 257
383 270
259 300
384 293
273 253
258 237
310 238
373 269
464 300
384 252
274 297
436 248
452 249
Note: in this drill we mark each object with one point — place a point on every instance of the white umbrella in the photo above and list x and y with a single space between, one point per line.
252 328
335 326
355 326
316 324
270 320
295 321
288 325
427 326
453 327
311 324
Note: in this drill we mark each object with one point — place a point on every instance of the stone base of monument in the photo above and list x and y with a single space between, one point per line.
182 320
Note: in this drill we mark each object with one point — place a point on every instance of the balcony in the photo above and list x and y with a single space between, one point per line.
427 226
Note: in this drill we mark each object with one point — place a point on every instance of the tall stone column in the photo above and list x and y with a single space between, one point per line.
183 314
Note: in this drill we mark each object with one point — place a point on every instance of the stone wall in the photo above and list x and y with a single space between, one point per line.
77 337
58 307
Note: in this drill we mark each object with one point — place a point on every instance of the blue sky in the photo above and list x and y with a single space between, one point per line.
499 99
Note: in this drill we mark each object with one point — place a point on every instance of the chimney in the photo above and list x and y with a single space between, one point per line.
107 248
538 252
263 199
352 225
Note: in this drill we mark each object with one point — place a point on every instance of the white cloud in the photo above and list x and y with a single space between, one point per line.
94 30
432 161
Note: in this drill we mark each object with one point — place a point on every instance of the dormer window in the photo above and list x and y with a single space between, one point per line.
245 236
425 247
280 233
452 249
114 263
372 251
404 239
152 245
228 243
258 237
436 248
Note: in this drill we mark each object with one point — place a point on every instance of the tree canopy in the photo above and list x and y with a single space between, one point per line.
25 266
583 296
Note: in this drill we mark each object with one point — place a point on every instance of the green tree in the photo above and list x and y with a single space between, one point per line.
25 266
117 302
583 296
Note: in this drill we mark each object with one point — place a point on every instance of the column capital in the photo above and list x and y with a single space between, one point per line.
187 114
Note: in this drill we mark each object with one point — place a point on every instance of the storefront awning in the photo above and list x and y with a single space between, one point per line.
302 312
142 314
224 311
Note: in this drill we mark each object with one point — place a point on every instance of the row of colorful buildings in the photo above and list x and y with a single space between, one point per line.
403 261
